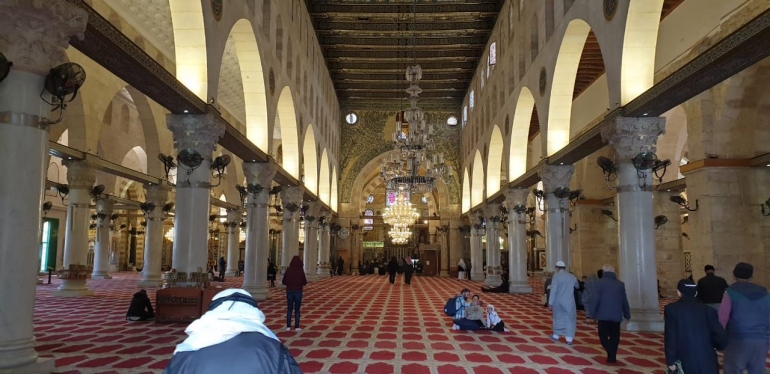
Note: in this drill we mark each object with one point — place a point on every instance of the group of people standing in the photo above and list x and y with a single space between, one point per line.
408 269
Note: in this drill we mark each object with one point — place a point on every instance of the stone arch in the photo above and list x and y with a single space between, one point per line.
494 160
522 116
334 197
190 46
286 117
149 127
466 201
477 181
310 160
640 39
563 85
324 183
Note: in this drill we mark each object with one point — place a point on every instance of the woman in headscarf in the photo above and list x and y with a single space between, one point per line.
494 322
461 270
231 337
294 279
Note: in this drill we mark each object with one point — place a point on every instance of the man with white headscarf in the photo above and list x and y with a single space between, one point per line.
562 302
231 338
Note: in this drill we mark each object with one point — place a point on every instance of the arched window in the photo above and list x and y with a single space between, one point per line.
472 99
493 53
368 222
465 115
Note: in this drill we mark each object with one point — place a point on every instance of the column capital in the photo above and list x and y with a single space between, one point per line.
555 176
199 132
104 206
313 210
492 212
516 196
291 195
35 33
234 215
80 174
630 136
157 194
261 173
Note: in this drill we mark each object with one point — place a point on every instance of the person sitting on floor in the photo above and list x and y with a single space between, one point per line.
231 338
475 312
459 320
502 288
494 322
140 308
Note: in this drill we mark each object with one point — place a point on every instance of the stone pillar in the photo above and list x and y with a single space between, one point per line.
234 218
629 137
324 241
153 239
291 197
477 255
517 241
193 196
455 243
81 176
356 243
257 229
33 35
310 253
668 243
442 232
557 245
102 246
492 212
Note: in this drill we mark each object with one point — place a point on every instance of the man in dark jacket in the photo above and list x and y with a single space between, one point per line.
408 270
711 288
140 308
222 264
393 269
745 312
692 332
231 338
609 307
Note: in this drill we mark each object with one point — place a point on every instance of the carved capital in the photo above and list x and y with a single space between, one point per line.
516 196
35 33
631 136
555 176
259 173
234 215
291 195
104 206
80 174
313 210
157 194
492 210
200 132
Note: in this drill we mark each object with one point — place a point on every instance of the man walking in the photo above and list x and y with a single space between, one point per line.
562 302
692 332
745 313
609 306
711 288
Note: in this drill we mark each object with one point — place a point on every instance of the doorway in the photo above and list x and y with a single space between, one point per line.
48 243
429 260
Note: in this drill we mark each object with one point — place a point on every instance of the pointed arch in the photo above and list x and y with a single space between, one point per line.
324 184
494 160
477 182
334 198
310 160
190 46
286 117
563 84
466 202
640 39
522 116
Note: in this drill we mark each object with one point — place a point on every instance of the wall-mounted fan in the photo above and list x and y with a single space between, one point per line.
212 217
609 214
219 164
47 208
96 192
683 203
114 216
520 209
660 221
168 207
101 216
648 161
168 165
5 67
143 223
63 191
62 81
147 207
190 159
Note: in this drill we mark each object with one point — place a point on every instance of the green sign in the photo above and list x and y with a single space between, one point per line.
374 244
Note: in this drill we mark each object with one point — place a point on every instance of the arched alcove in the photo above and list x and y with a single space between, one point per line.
324 183
494 160
522 115
286 116
310 160
477 181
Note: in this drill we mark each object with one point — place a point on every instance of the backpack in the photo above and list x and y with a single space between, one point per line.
450 308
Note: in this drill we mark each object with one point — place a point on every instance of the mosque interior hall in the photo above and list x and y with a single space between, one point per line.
184 147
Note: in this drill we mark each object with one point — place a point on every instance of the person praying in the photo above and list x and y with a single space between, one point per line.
562 302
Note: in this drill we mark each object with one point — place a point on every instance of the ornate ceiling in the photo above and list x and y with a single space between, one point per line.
367 45
152 18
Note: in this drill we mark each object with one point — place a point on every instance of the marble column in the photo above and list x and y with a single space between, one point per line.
291 197
668 243
629 137
102 246
257 229
34 36
310 253
442 233
492 212
153 239
234 218
81 176
557 245
477 255
193 195
517 241
324 240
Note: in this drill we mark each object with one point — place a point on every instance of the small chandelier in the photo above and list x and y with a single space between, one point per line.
170 234
400 234
400 213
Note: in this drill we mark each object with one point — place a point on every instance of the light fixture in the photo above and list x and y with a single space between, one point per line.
5 67
169 234
660 221
62 81
683 203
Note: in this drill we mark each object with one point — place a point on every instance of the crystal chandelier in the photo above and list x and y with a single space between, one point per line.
400 213
170 234
400 234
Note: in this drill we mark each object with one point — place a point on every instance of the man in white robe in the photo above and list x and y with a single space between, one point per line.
562 303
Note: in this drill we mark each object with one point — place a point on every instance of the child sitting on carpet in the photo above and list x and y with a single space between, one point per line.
494 322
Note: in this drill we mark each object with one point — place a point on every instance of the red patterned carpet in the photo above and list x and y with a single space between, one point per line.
352 324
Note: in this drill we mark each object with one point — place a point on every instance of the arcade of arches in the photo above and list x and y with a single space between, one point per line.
555 118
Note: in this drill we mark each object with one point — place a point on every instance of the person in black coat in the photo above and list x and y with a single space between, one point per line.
340 266
271 272
408 270
140 308
392 269
609 306
692 332
222 263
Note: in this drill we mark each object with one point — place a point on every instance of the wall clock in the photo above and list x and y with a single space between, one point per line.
343 233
